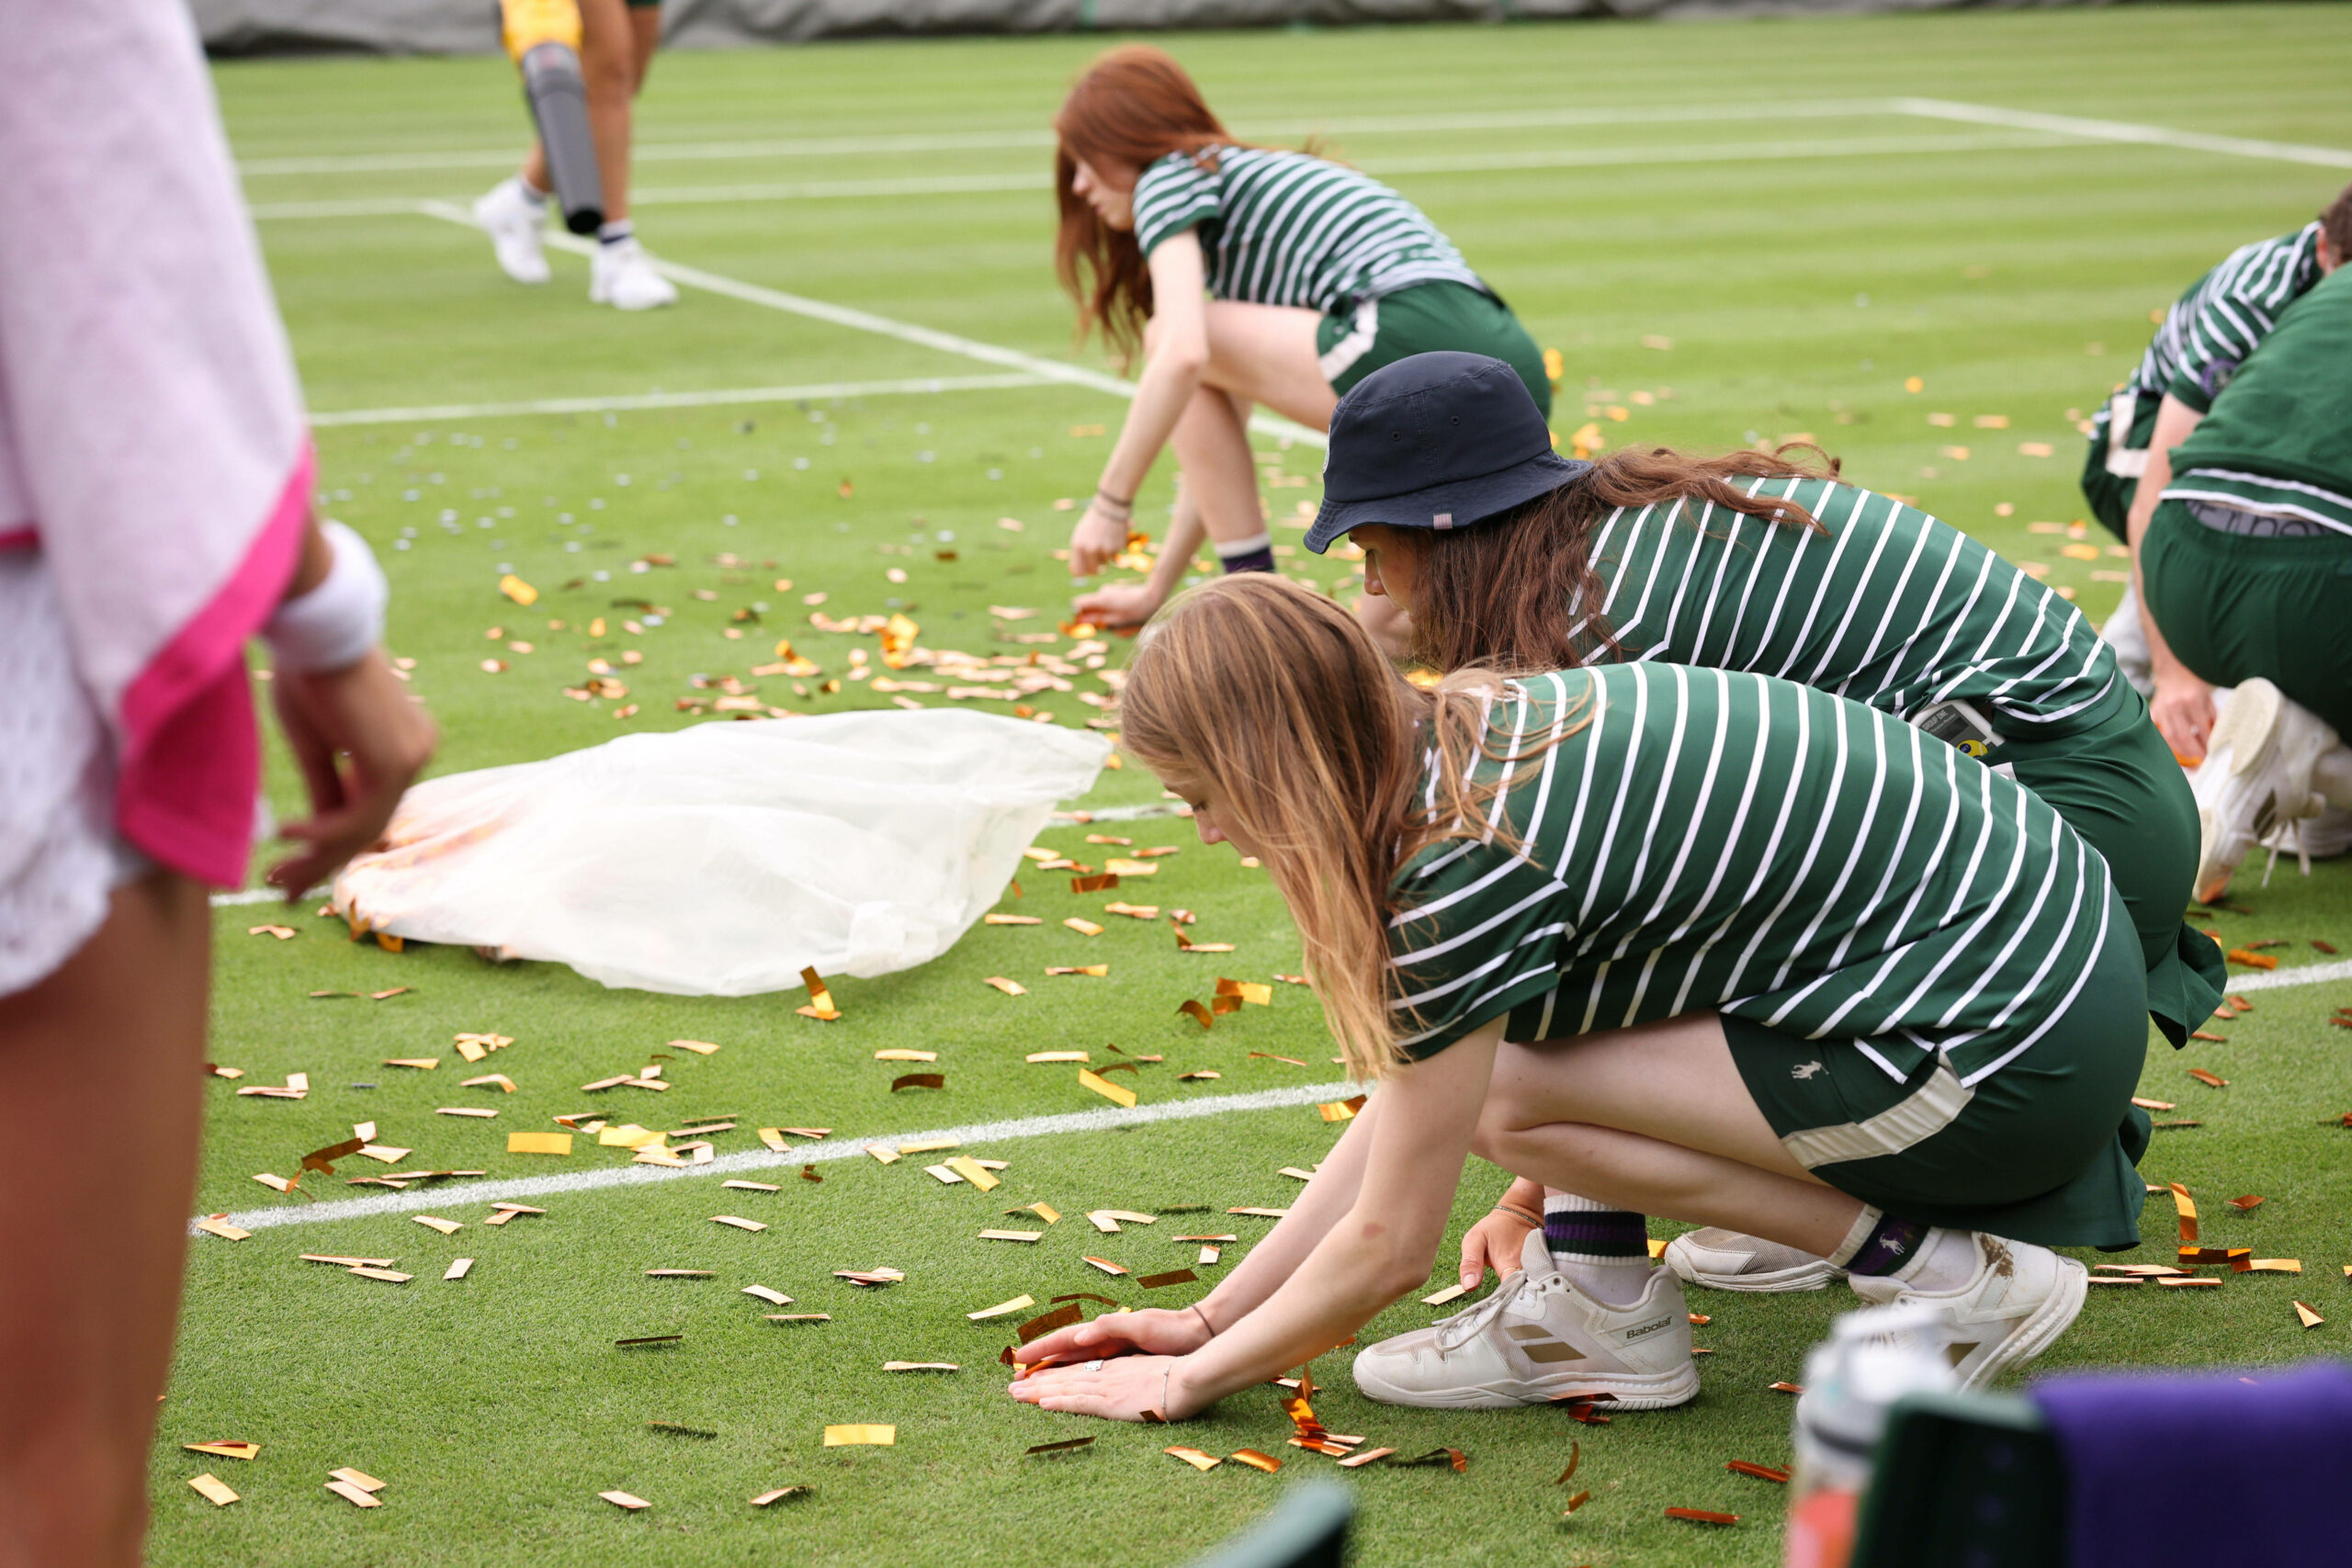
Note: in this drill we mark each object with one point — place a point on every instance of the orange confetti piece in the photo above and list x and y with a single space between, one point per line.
2213 1079
918 1080
1009 987
1194 1457
2309 1318
820 1000
1701 1516
2246 1204
2252 960
1760 1472
1256 1460
2187 1207
1119 1094
1201 1016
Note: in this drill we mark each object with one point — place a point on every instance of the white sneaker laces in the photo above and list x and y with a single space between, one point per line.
1473 1320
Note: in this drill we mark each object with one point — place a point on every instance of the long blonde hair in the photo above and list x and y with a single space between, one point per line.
1311 744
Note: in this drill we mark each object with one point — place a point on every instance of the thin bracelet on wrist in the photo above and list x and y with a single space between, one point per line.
1194 1308
1116 504
1517 1213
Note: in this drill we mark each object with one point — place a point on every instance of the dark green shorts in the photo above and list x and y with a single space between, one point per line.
2111 494
2233 606
2117 786
1425 318
2041 1150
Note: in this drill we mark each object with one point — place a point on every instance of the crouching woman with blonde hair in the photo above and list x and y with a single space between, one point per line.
1701 943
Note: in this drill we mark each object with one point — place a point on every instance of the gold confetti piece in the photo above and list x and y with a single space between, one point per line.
1208 1255
215 1226
1453 1292
921 1367
784 1493
2214 1284
282 934
1009 987
947 1176
820 1000
1760 1472
1197 1012
1037 1057
1358 1461
1787 1388
212 1489
1261 1213
2250 958
1098 884
1701 1516
1134 911
342 1262
389 1276
1115 1093
1083 927
433 1222
918 1080
1194 1457
220 1072
628 1135
2246 1204
2114 1280
620 1499
1001 1309
800 1316
1248 990
1255 1460
1044 1212
974 1172
773 1298
358 1478
869 1276
1296 1174
2187 1206
2152 1105
1268 1056
2270 1266
474 1110
1011 919
1203 1076
2213 1079
240 1450
1173 1277
860 1435
752 1186
682 1273
538 1143
276 1183
421 1064
2309 1318
738 1221
901 1055
1044 1323
1117 868
459 1269
1105 1265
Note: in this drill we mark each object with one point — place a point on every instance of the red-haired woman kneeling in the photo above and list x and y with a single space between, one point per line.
1250 274
1699 942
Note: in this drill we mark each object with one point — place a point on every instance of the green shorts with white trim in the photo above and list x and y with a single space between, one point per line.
2041 1150
1427 318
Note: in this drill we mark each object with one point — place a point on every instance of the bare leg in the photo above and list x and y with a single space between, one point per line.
1656 1120
1220 476
89 1294
1266 354
612 72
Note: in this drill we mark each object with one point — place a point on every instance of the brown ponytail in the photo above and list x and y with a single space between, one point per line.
1520 593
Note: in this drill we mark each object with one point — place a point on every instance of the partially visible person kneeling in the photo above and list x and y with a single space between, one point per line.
1696 943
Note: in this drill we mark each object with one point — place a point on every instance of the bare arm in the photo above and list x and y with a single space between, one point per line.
1380 1247
1180 353
1132 604
2183 705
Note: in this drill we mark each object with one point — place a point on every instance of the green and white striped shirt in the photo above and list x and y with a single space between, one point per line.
2211 330
1888 607
1721 840
1281 228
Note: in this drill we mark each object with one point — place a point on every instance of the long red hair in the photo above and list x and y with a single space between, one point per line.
1133 107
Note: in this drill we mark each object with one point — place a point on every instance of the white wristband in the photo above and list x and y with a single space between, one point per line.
334 625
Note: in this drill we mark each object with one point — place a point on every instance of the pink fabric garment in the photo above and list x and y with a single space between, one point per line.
153 447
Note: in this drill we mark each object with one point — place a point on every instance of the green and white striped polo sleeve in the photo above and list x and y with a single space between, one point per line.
1173 194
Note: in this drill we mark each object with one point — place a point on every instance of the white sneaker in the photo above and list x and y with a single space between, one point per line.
2255 779
1726 1261
514 221
622 276
2020 1300
1538 1340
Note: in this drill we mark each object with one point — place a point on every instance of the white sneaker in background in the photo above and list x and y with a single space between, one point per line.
1722 1260
2022 1299
2255 779
1539 1339
514 222
622 276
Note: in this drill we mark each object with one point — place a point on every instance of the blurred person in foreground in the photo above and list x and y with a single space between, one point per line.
156 476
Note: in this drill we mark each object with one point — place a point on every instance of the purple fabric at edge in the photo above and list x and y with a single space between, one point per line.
2206 1467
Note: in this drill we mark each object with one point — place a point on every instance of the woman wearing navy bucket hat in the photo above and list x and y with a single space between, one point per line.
1508 556
1247 275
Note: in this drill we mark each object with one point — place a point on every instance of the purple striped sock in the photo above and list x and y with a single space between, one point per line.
1595 1234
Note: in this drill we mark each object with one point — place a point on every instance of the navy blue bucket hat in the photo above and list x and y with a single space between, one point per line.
1435 441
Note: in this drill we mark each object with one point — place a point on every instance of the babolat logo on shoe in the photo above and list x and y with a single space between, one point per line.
1644 1330
1537 1344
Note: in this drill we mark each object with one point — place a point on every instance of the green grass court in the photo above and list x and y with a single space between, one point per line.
1760 195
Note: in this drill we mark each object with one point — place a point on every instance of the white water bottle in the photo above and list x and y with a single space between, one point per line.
1852 1379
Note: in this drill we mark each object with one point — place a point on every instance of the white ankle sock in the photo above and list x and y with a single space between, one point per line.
531 193
1946 1260
2332 776
1603 1249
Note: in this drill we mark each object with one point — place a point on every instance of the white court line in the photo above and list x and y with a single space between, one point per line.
1464 163
883 326
994 141
717 398
2309 974
523 1188
2123 131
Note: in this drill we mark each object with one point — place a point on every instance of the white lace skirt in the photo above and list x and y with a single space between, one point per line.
59 854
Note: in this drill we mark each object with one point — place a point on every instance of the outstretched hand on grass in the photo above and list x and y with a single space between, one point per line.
360 741
1117 605
1099 538
1118 1390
